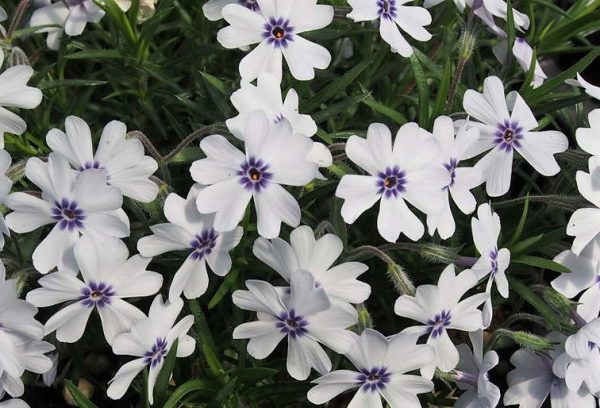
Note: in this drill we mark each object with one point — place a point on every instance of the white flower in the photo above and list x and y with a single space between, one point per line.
462 179
391 15
3 18
123 160
303 314
5 186
589 138
73 15
584 276
106 281
591 90
14 93
472 375
266 96
77 204
439 308
581 362
17 324
381 365
533 380
404 172
503 132
584 224
32 354
14 403
317 257
493 261
275 26
151 339
273 156
523 54
213 9
190 231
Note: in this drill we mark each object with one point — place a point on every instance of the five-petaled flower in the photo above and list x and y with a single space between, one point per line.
505 132
275 25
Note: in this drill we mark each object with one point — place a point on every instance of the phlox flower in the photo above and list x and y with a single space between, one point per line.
381 367
273 157
105 282
17 323
188 230
123 160
584 277
504 132
398 173
533 380
493 261
14 403
487 10
33 356
14 93
581 362
266 96
462 179
584 224
591 90
316 256
72 15
303 314
523 53
151 340
589 138
472 375
394 16
275 25
439 309
75 203
213 9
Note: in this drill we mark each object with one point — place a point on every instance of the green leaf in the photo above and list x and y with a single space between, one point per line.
227 284
524 245
81 400
63 83
541 263
553 83
385 110
214 365
534 300
205 387
161 387
519 230
253 375
94 54
423 91
337 221
334 88
442 92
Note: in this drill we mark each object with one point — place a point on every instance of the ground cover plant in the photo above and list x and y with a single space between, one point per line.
289 203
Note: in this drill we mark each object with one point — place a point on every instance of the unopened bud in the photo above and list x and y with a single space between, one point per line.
400 279
438 254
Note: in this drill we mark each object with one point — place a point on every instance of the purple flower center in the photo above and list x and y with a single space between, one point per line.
508 135
203 244
387 9
68 215
451 167
374 379
157 353
292 324
494 261
437 325
254 175
250 4
96 294
278 31
391 182
467 378
92 165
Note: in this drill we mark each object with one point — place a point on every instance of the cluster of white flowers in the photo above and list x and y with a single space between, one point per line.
88 267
